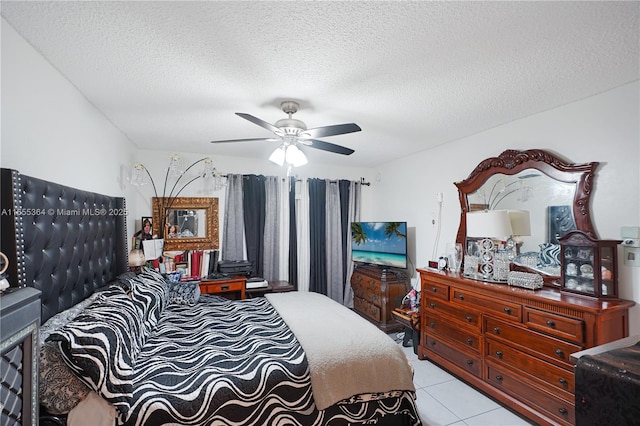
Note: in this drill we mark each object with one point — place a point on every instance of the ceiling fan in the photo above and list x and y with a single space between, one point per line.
292 132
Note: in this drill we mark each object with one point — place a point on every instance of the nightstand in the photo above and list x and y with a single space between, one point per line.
231 288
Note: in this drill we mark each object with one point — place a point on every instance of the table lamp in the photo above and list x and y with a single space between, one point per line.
487 225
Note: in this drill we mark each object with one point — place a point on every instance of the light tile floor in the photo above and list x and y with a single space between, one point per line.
442 399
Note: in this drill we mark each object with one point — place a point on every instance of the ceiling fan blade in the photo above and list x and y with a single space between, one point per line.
336 129
326 146
247 140
259 122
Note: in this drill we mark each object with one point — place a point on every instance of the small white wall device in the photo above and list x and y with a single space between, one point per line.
631 245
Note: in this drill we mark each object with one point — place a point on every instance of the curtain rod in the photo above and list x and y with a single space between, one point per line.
362 180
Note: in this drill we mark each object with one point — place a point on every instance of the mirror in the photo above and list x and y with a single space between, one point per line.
554 192
188 223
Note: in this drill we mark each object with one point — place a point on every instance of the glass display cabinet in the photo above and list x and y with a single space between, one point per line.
589 266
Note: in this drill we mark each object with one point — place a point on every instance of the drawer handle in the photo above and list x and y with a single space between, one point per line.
499 354
434 289
432 305
559 353
563 382
432 324
469 341
551 324
563 411
469 318
433 343
461 297
507 310
496 330
499 378
469 362
224 287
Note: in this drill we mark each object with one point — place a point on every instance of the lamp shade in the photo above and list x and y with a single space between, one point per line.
278 156
520 223
136 258
488 223
295 156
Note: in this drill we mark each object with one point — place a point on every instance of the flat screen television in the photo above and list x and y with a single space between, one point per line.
382 244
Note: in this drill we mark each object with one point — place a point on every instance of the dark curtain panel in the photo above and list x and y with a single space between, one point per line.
293 235
344 185
254 199
317 238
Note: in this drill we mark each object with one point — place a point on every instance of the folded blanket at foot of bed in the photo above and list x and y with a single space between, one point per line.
347 354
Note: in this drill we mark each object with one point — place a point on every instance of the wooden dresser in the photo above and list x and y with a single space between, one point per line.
376 292
514 343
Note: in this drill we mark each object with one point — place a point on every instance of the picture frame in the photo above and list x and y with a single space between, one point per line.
150 219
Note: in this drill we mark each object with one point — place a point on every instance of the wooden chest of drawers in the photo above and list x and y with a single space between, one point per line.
514 343
376 292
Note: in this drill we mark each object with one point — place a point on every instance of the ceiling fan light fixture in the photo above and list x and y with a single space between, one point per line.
278 156
295 156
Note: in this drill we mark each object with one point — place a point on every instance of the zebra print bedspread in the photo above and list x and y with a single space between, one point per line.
237 363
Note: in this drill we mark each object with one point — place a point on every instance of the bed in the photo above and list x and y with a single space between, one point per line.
149 353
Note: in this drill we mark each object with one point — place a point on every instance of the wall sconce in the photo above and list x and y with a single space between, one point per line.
488 224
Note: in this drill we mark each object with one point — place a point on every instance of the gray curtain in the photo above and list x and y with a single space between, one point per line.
272 226
354 216
333 235
233 229
317 236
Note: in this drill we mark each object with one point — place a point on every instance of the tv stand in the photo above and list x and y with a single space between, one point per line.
376 292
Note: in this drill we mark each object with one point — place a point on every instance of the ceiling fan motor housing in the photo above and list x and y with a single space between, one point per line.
290 126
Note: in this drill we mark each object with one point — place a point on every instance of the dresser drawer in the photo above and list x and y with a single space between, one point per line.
558 378
435 290
367 308
212 287
468 361
556 325
367 288
554 350
450 331
504 309
559 410
458 313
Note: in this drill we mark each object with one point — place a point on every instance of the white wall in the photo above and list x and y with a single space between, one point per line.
603 128
50 130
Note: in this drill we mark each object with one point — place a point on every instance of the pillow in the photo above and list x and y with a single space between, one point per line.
100 346
184 293
150 295
549 255
60 389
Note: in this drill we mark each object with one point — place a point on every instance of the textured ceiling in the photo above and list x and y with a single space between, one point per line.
413 75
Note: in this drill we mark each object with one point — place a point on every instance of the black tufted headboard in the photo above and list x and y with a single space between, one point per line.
63 241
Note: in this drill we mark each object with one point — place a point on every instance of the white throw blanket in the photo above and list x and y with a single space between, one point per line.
347 354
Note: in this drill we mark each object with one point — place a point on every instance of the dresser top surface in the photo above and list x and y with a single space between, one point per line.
547 294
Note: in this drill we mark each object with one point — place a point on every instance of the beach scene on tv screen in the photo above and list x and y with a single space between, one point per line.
379 243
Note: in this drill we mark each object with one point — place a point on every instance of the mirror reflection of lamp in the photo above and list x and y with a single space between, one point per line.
520 227
487 225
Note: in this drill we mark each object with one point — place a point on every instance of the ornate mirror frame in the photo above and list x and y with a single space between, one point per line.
512 162
211 239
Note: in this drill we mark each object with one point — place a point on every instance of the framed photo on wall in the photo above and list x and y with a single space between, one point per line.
143 221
